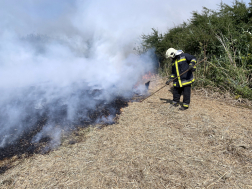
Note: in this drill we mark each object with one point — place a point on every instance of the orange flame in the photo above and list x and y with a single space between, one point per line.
145 78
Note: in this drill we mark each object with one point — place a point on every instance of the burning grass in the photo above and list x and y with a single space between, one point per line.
153 145
24 147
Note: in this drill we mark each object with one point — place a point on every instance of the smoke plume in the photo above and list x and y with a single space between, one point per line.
63 64
62 61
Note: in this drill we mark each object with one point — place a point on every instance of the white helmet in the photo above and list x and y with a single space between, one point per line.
171 53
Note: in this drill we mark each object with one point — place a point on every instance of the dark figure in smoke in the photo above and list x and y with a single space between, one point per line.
180 63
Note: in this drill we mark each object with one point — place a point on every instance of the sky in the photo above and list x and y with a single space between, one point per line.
53 53
39 16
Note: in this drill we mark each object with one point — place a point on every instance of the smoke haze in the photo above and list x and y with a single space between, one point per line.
61 59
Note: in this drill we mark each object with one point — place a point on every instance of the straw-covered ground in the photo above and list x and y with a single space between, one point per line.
152 145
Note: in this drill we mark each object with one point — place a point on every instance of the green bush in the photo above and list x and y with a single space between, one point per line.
223 37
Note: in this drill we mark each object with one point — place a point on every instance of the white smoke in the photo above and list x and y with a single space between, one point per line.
55 54
49 75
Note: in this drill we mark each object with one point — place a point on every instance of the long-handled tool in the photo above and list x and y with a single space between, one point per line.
172 80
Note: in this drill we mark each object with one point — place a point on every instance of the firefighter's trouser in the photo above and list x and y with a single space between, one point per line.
177 92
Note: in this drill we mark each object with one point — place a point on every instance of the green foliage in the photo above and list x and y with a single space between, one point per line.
224 37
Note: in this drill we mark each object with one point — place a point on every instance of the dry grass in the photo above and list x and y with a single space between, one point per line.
153 145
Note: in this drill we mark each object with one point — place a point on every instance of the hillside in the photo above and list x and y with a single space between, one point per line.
152 145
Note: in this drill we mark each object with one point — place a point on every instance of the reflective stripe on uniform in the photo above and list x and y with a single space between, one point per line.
174 102
188 82
193 66
186 105
177 70
172 76
181 60
193 61
174 84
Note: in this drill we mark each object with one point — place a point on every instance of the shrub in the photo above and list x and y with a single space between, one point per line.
223 37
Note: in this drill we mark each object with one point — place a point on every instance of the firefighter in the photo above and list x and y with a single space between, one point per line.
182 85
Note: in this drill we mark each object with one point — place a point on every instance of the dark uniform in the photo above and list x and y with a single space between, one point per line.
182 84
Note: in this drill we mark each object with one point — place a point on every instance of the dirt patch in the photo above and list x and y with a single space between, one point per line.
153 145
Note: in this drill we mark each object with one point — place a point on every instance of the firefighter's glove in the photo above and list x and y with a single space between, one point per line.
168 82
191 68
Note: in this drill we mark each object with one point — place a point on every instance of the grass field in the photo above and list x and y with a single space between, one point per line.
152 145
